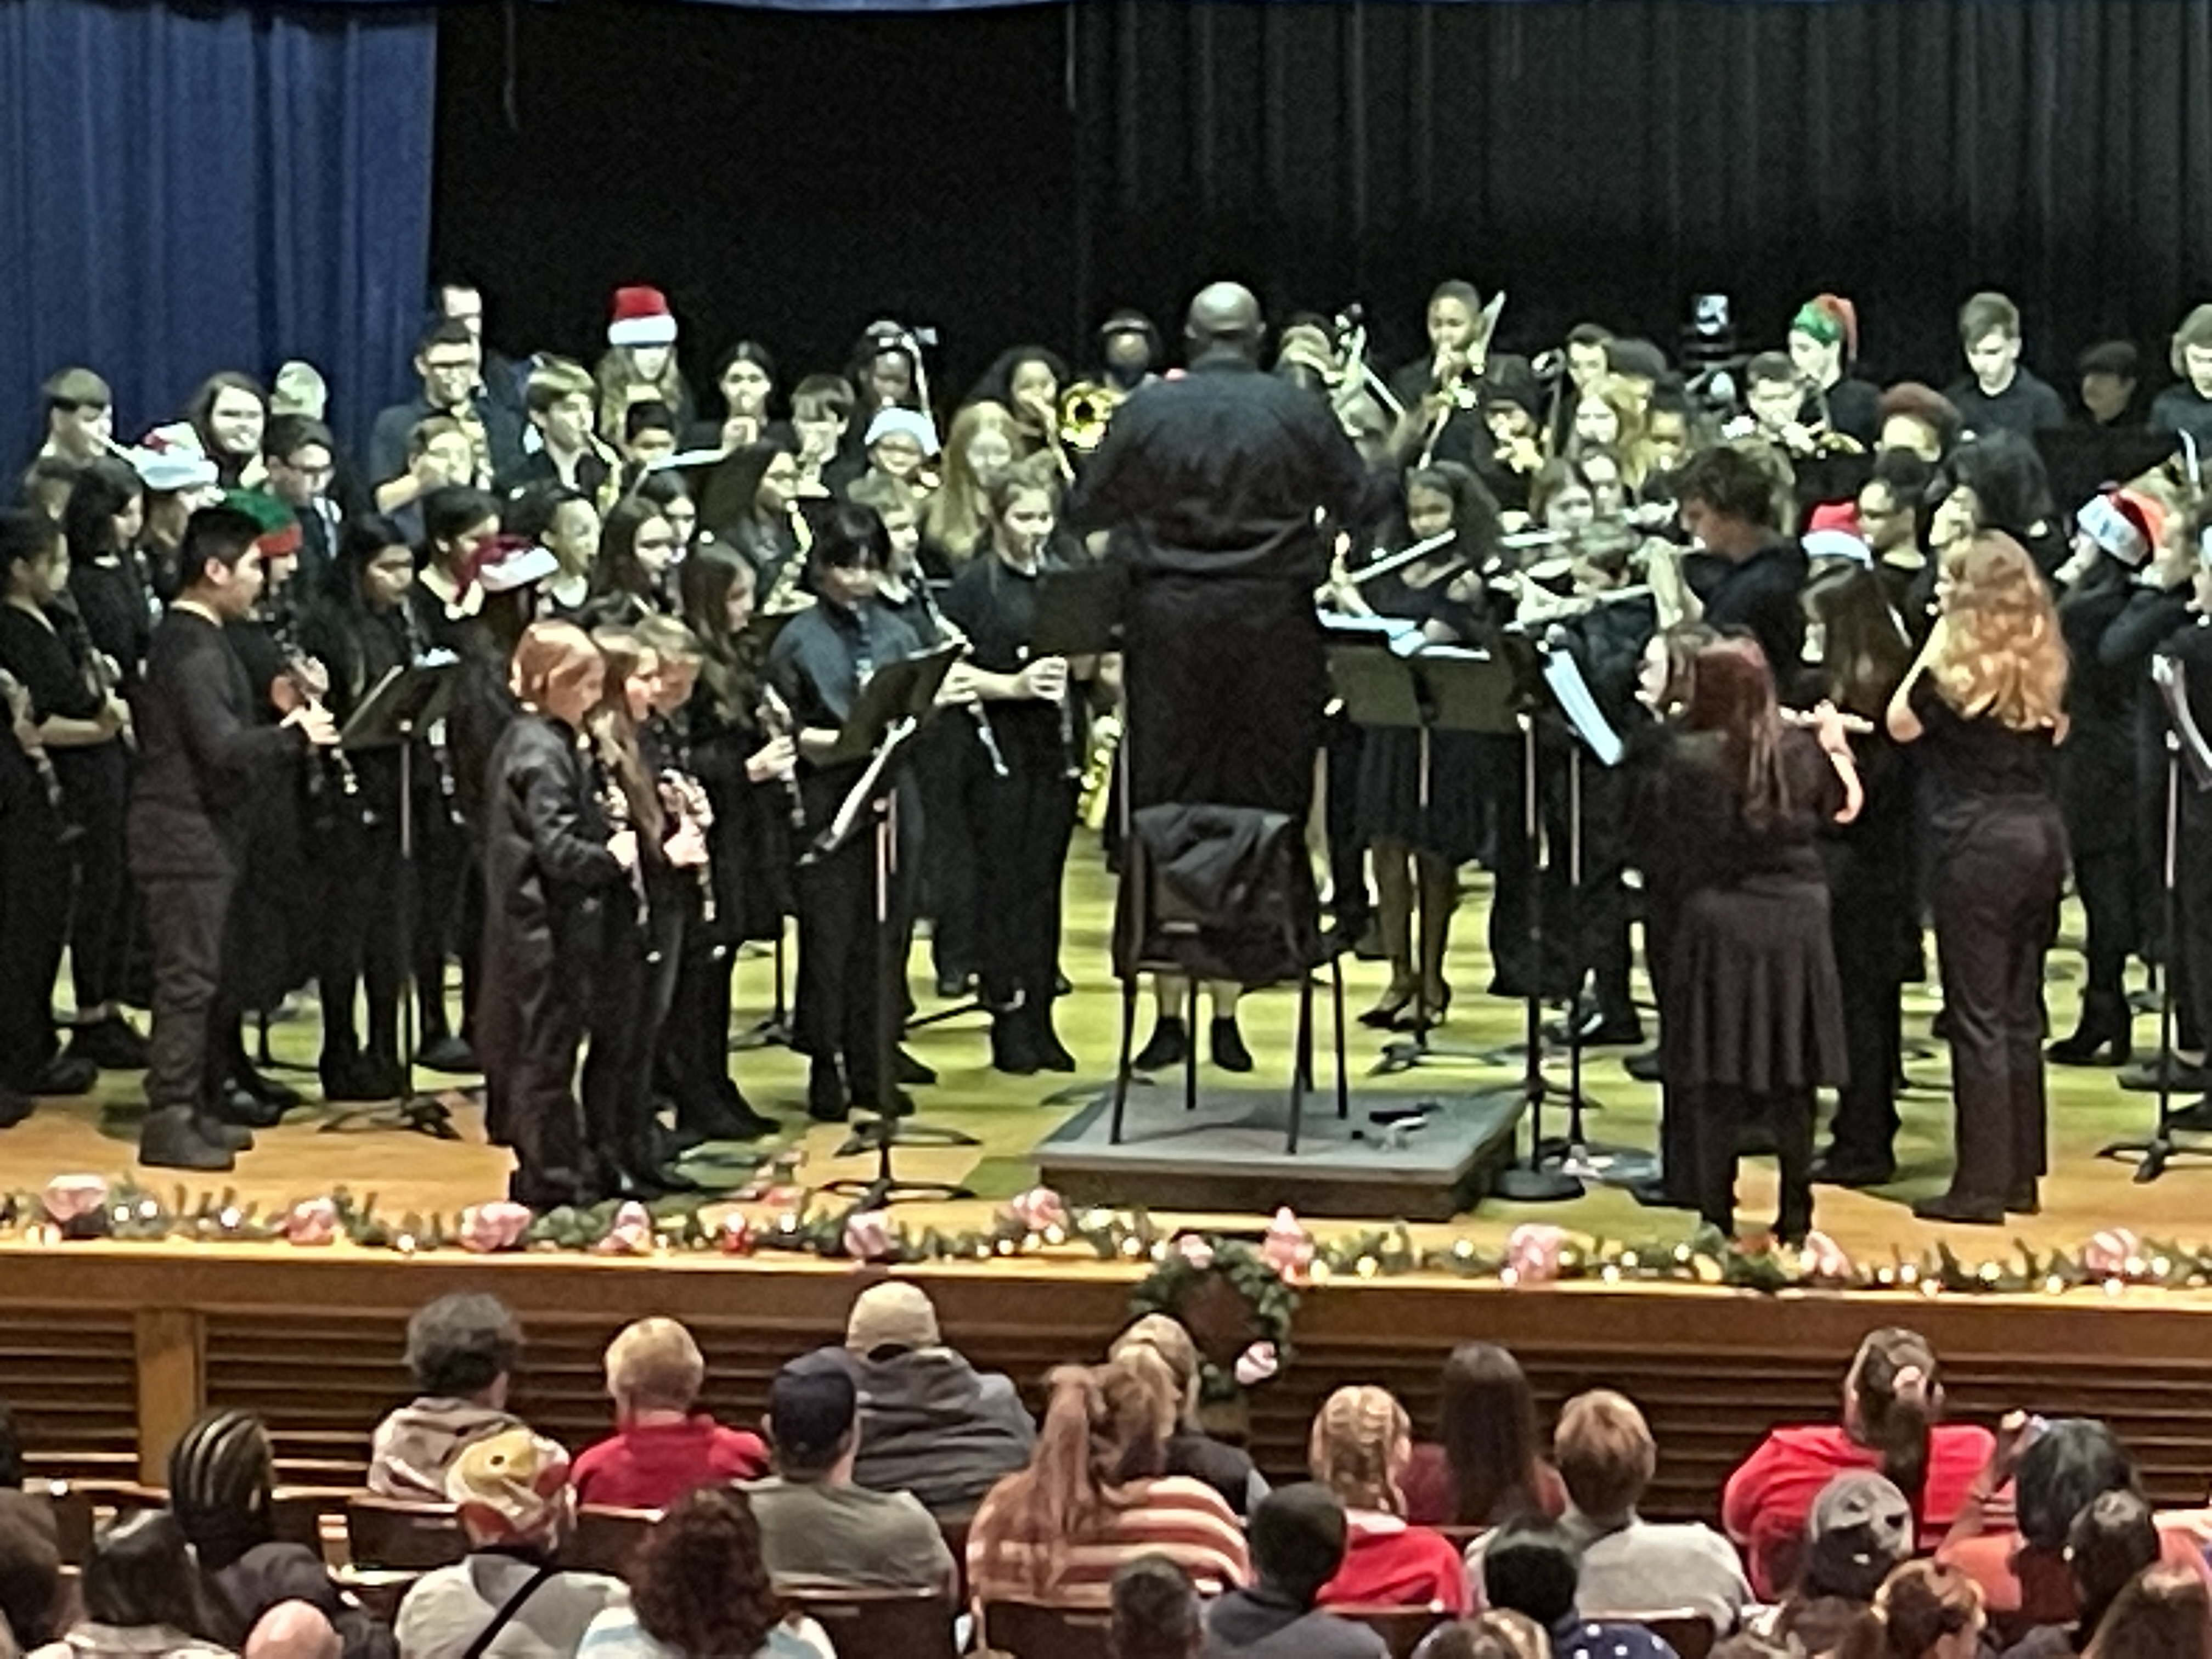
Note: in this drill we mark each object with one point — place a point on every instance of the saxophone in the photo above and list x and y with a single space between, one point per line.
1099 770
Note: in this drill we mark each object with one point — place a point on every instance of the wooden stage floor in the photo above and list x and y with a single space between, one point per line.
1010 1116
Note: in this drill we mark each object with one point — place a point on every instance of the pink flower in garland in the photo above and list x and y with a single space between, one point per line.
1288 1248
1038 1209
1257 1365
74 1197
1197 1255
631 1233
1532 1253
311 1222
868 1236
736 1235
2115 1253
488 1228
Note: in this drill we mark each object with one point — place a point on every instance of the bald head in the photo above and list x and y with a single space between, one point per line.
1224 315
292 1630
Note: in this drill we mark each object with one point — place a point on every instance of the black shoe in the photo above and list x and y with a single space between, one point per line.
1169 1045
2196 1115
2021 1198
110 1044
170 1140
218 1131
1643 1066
1832 1168
723 1121
1597 1030
239 1107
1940 1026
906 1069
1963 1209
2182 1077
347 1079
2104 1038
1654 1193
15 1107
447 1053
825 1092
1013 1045
1226 1043
900 1103
264 1090
1052 1055
66 1074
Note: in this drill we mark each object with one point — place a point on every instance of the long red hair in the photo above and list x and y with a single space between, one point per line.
1732 698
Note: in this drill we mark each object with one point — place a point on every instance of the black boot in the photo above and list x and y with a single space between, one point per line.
1014 1041
171 1140
2104 1038
825 1091
1052 1055
1169 1045
1227 1043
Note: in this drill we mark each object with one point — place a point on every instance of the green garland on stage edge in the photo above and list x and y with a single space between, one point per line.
1265 1269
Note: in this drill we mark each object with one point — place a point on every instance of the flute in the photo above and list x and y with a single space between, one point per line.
1806 717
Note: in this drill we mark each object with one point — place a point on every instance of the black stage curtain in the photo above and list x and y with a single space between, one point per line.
1609 158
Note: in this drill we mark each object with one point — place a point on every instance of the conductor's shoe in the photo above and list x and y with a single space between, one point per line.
170 1140
1227 1043
1169 1045
242 1107
218 1131
1835 1168
825 1092
1965 1209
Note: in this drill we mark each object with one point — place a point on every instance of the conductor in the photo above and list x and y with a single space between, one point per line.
1219 494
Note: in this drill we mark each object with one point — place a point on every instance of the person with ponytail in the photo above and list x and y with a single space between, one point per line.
1923 1611
1361 1443
1892 1407
1093 1497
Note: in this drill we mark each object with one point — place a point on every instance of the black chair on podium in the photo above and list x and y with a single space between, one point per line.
1223 893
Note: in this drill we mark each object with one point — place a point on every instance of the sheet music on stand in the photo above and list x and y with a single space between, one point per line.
1564 675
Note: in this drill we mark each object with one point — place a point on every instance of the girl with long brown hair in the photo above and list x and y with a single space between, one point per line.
1753 1013
1093 1496
1486 1466
1984 705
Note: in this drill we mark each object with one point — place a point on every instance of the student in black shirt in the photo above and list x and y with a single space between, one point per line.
1020 818
33 905
818 664
1751 582
561 401
2187 406
2109 375
449 358
108 578
202 756
1999 395
1982 707
84 725
1824 345
302 460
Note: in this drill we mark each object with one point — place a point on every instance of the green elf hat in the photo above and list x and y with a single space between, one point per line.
1830 320
279 526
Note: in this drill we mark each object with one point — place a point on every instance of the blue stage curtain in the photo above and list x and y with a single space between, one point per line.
187 188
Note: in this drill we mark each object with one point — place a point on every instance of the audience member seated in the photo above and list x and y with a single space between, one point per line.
661 1448
222 1479
1891 1421
1497 1634
1191 1450
1094 1495
2161 1614
2109 1543
1924 1610
2056 1473
816 1527
516 1507
294 1630
30 1572
1157 1612
461 1349
1298 1537
1485 1466
141 1596
1361 1442
1860 1531
930 1423
1530 1568
699 1587
1605 1456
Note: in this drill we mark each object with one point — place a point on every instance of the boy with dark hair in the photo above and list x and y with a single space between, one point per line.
1532 1568
561 402
80 417
648 434
1997 394
1297 1545
449 360
201 752
1754 574
303 458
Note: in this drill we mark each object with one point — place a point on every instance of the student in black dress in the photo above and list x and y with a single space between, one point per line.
203 755
2116 536
84 726
751 501
362 631
107 578
1998 480
1984 704
817 665
1856 654
1417 835
33 905
553 866
1732 801
1019 820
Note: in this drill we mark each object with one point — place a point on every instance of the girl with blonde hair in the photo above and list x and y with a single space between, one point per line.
1361 1443
1983 703
551 862
1094 1496
986 439
1190 1449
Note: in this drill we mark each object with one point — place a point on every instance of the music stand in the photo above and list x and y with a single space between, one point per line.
405 702
2185 745
899 699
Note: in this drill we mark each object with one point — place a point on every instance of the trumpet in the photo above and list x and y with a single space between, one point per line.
1086 409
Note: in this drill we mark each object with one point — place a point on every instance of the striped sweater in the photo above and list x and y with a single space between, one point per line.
1176 1517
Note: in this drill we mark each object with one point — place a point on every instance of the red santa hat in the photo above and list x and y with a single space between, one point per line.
642 318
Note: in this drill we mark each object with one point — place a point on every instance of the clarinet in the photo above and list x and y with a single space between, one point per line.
773 715
977 712
13 696
615 805
311 681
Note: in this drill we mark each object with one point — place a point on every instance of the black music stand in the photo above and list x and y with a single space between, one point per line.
406 702
895 703
2185 747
